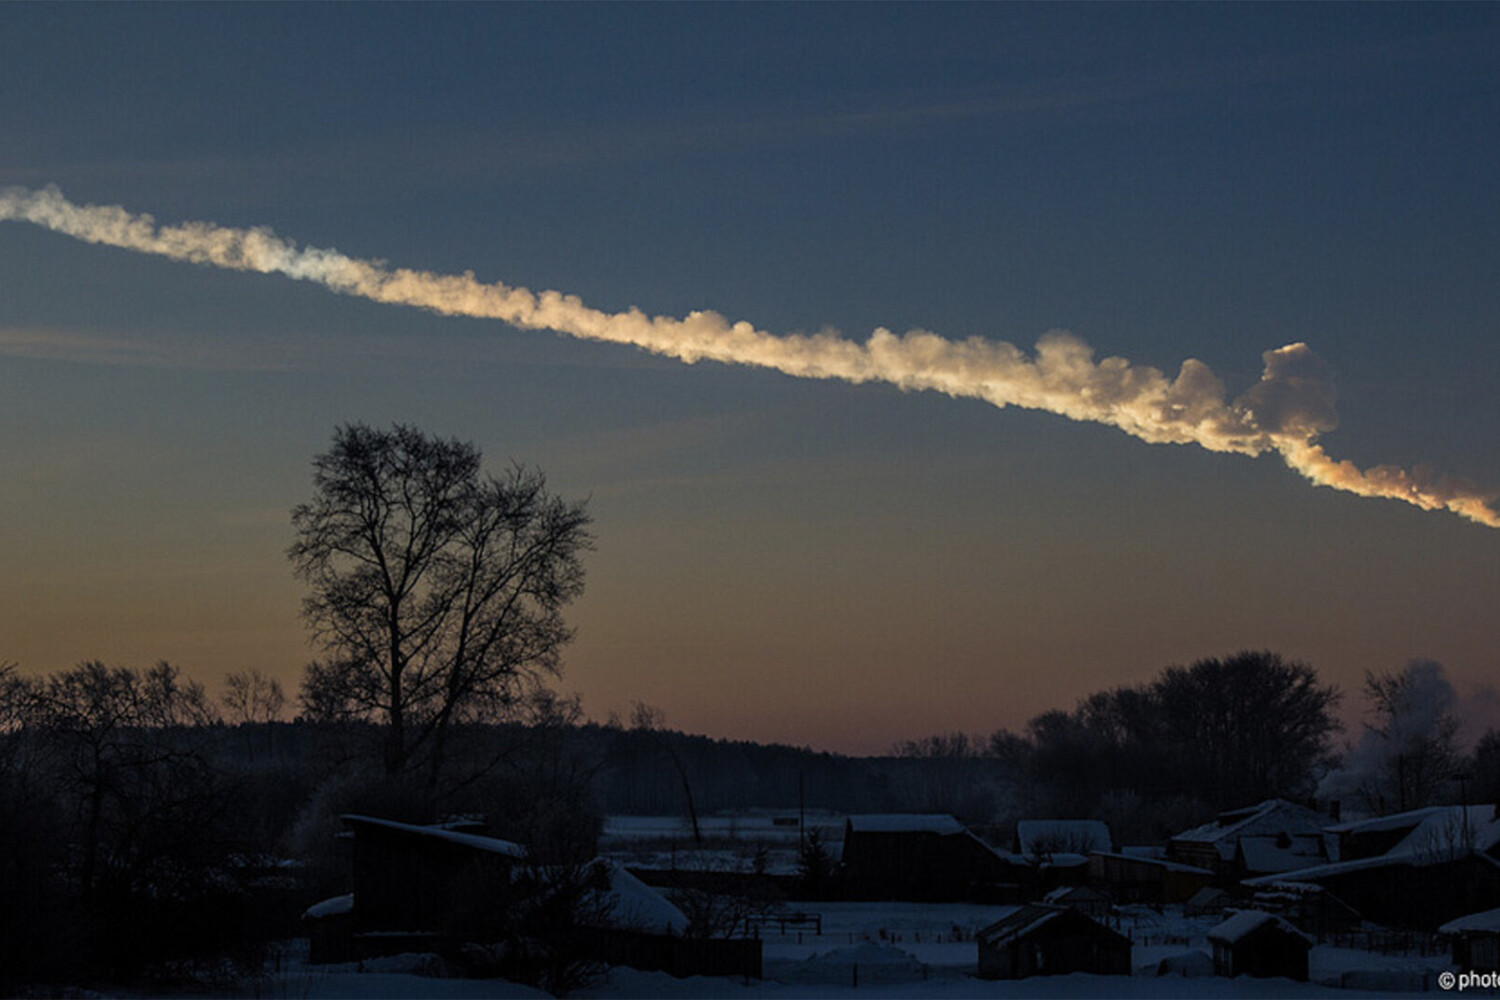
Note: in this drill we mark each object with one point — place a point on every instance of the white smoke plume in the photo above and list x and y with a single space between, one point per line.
1285 412
1408 750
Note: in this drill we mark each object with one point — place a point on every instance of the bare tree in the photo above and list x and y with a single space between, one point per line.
646 718
1245 727
126 770
251 697
437 591
1486 767
254 701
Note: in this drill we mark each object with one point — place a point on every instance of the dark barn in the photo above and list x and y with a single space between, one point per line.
407 877
1255 943
1039 940
931 858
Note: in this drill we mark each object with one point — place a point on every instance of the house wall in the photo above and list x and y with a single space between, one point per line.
1476 950
1419 897
1002 962
917 865
1140 881
1197 854
1179 887
407 883
1266 951
1129 881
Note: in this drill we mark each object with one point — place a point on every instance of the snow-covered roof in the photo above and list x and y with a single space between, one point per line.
493 845
1450 827
1064 860
1076 893
1149 852
1269 854
637 906
330 907
1015 921
1079 836
1486 920
940 823
1210 895
1395 821
1245 921
1441 833
1476 824
1269 817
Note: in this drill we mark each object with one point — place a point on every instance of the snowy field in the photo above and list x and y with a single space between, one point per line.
892 950
730 842
755 827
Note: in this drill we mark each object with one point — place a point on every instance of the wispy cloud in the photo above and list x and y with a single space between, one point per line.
133 352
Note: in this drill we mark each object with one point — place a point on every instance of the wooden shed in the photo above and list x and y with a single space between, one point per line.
1256 943
1040 940
1475 939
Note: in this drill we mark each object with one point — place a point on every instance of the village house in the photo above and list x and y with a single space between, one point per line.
1434 827
1270 837
1476 940
922 857
429 888
1039 940
1436 865
406 878
1256 943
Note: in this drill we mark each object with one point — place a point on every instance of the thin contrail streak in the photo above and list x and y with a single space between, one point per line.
1284 412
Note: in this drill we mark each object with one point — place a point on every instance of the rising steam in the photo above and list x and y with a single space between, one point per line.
1284 412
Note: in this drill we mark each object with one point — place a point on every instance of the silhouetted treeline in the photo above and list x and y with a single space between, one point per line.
1153 758
147 832
1224 732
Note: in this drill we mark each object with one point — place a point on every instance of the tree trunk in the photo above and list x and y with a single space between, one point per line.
395 749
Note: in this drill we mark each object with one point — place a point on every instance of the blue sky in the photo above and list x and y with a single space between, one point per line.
779 558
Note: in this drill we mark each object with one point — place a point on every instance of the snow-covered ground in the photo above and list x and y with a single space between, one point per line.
891 950
749 827
729 841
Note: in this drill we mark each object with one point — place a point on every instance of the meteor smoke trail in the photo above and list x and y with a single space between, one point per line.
1285 412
